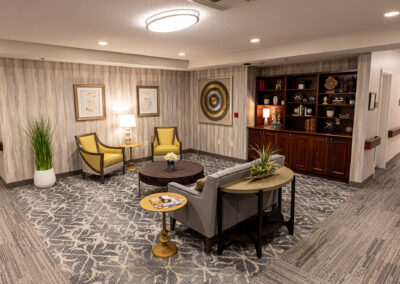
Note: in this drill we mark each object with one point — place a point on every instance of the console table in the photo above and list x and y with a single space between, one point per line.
281 177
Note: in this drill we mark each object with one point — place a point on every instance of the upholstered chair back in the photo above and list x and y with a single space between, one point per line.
89 143
165 136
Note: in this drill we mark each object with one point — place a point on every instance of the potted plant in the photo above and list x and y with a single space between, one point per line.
267 99
302 84
171 158
330 111
266 166
40 135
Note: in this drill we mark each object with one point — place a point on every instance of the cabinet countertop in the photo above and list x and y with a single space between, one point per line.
299 132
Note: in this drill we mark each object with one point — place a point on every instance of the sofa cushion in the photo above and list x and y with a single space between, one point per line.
165 136
112 159
200 184
162 150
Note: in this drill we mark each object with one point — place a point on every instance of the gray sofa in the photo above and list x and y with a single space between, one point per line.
200 212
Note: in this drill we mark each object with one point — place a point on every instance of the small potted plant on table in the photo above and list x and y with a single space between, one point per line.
171 158
40 135
330 111
266 167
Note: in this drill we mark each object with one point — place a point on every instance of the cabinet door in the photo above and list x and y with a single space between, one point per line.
267 138
283 143
339 157
254 141
300 152
318 155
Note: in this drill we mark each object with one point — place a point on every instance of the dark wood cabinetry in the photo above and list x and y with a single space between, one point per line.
317 154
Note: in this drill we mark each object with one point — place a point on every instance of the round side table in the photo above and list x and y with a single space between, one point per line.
131 166
165 248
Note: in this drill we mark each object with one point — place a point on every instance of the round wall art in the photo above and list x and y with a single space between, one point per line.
215 100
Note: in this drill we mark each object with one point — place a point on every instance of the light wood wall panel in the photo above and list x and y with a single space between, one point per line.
233 139
31 88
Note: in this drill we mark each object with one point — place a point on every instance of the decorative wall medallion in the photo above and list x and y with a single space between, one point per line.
215 101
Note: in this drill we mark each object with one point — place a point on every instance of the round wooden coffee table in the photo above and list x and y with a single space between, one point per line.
158 174
165 248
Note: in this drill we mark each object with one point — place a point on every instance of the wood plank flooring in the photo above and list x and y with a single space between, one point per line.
358 243
23 256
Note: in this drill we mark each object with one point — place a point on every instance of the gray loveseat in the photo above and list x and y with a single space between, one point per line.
200 212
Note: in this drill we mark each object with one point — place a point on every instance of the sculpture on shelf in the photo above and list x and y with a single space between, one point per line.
330 84
276 119
278 85
350 85
325 101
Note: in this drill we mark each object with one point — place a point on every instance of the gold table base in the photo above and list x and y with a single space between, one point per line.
165 248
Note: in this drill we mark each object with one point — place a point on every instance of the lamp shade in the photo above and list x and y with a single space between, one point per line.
127 121
266 112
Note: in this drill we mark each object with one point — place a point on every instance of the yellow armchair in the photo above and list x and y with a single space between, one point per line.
97 158
165 140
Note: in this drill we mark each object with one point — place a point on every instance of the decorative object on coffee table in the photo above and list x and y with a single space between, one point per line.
131 164
267 167
165 248
157 173
171 158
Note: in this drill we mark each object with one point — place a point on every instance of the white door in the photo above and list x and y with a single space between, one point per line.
384 98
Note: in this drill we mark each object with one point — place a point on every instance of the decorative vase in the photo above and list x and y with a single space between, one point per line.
275 100
171 165
266 101
349 129
330 113
44 179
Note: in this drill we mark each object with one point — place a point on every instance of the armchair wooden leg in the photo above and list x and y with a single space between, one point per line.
83 175
208 244
172 223
123 169
102 178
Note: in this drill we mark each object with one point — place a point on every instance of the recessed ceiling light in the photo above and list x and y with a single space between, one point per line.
181 53
172 21
255 40
392 14
102 43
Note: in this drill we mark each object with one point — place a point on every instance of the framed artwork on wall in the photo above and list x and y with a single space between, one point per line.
148 101
215 100
90 102
372 101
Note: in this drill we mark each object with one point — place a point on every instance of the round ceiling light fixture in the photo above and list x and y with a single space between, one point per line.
255 40
102 43
182 53
392 14
172 21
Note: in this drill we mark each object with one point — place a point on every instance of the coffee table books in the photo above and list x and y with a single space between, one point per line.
165 201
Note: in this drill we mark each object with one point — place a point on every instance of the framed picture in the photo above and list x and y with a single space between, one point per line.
372 101
90 102
148 101
215 100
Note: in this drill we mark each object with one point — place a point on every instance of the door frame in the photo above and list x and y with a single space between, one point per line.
382 127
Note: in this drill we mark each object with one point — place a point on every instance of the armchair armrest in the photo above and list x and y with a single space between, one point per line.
93 160
109 149
184 190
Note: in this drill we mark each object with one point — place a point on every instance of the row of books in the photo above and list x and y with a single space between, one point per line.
165 201
309 124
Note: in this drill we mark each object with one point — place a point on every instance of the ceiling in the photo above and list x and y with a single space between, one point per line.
218 35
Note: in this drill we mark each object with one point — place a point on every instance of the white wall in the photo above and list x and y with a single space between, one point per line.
388 61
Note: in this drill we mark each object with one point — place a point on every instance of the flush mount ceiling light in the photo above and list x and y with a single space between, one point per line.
102 43
255 40
392 14
181 53
172 21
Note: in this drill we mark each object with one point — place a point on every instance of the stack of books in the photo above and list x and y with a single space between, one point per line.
310 124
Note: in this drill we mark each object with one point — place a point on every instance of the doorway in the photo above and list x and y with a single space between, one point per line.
383 118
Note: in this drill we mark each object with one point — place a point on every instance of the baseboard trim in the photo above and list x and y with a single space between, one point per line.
149 158
392 159
361 184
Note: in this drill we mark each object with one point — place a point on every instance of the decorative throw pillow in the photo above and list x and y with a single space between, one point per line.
200 184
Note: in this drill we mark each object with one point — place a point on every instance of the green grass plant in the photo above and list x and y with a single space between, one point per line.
40 134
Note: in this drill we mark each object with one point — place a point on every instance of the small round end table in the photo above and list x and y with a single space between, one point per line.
165 248
131 166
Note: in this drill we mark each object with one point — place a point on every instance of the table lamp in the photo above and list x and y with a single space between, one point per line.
127 121
266 116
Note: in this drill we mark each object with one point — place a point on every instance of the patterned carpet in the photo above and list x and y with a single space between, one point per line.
99 233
